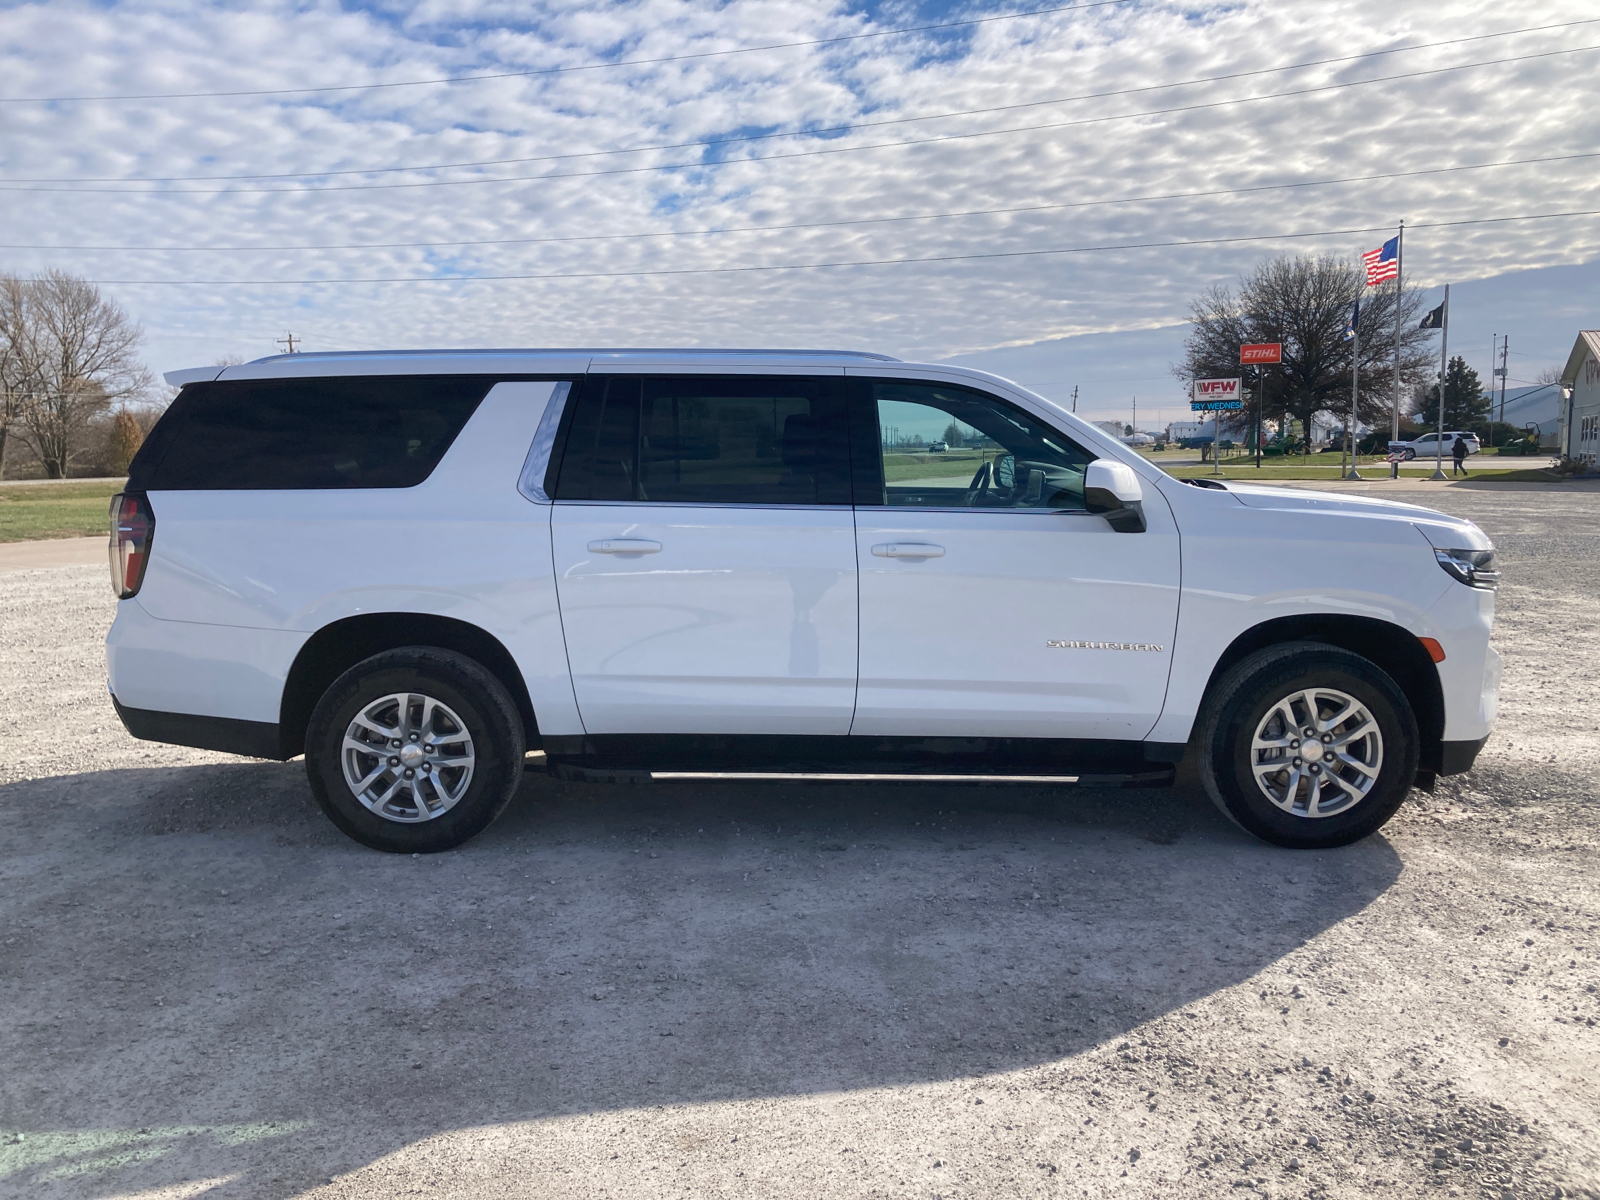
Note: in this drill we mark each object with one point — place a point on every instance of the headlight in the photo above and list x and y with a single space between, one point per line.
1475 568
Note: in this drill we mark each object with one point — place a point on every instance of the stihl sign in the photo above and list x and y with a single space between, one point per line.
1216 389
1261 352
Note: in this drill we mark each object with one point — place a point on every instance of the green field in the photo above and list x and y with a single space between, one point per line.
1513 470
960 465
957 464
35 511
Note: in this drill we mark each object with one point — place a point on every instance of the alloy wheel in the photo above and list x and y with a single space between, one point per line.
407 757
1317 752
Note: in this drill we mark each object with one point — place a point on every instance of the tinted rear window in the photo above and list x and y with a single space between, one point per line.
387 431
708 440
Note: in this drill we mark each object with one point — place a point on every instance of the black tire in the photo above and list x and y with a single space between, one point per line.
486 712
1242 699
1410 454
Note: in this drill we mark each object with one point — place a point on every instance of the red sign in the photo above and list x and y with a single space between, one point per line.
1261 352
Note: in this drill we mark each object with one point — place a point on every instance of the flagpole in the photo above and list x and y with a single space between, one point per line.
1355 374
1444 351
1399 275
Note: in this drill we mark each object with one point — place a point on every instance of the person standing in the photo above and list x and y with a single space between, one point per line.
1459 453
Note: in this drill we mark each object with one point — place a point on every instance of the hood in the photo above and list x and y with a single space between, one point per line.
1441 529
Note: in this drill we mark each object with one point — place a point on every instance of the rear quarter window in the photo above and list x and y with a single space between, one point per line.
384 431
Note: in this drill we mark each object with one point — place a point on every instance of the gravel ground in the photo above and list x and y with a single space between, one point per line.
809 991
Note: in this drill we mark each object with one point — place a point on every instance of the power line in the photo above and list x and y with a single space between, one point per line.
600 66
810 132
855 221
878 262
952 137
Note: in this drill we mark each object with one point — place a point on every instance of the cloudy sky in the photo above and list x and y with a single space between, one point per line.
928 179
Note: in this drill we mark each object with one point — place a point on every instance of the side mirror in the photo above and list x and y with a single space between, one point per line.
1111 489
1005 472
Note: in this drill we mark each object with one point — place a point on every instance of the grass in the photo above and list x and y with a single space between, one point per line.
37 511
957 464
1374 468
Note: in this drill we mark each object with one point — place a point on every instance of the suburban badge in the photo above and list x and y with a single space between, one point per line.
1067 645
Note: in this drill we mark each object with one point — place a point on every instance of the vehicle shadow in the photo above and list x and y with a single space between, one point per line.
202 979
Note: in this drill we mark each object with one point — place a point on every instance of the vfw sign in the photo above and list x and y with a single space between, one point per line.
1216 389
1217 395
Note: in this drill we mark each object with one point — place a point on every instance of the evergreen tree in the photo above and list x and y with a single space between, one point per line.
1466 405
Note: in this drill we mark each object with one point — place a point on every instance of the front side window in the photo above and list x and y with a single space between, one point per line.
994 454
716 439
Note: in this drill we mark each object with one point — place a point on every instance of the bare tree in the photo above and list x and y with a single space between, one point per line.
1304 302
18 358
1548 375
78 357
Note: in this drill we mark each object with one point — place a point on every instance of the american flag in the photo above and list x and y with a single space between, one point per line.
1383 263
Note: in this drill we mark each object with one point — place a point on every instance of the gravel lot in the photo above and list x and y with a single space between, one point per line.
800 991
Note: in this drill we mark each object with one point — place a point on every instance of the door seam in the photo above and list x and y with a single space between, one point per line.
561 622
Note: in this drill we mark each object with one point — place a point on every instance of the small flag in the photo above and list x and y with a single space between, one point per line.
1383 263
1355 319
1434 320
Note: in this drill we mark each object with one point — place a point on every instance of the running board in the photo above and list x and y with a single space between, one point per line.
848 777
575 773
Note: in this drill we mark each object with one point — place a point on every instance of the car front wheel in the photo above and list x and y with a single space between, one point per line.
1308 746
414 750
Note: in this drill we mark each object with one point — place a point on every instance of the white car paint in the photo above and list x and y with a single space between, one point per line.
708 619
957 643
747 620
238 580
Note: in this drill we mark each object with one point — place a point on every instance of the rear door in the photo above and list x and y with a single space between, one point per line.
705 555
992 602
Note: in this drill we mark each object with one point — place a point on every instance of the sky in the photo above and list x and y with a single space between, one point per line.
683 172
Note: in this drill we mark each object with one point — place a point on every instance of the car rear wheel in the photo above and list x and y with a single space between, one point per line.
414 750
1308 746
1410 454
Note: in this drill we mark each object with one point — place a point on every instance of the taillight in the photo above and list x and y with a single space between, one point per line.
133 528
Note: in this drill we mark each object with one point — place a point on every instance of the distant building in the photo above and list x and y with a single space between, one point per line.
1541 406
1580 434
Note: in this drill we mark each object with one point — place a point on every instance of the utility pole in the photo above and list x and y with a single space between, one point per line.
1136 416
1505 349
288 340
1074 397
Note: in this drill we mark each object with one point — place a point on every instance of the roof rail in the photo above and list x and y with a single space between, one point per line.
687 351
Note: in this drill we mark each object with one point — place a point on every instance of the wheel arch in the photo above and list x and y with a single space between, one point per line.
340 645
1388 646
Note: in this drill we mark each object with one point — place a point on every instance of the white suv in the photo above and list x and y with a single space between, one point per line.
415 568
1435 445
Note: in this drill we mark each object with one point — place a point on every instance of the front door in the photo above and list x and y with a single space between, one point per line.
992 602
705 556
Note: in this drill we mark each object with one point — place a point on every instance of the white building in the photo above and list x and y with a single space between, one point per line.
1580 433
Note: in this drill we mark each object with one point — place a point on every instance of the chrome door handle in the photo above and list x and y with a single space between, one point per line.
908 550
624 546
